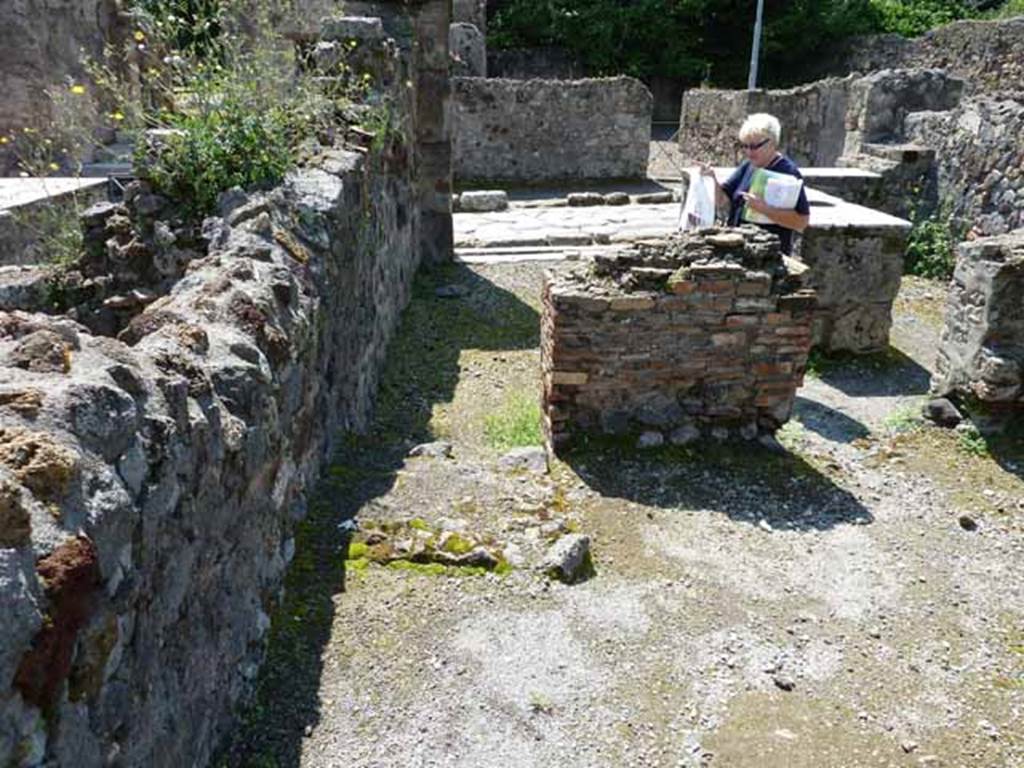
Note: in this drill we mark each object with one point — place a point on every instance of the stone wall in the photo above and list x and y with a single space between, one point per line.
703 332
822 121
542 130
981 352
813 121
987 55
150 482
41 44
979 167
856 272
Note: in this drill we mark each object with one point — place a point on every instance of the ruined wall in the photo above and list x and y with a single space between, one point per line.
813 121
981 352
979 167
41 44
987 55
705 332
149 484
538 130
855 272
821 122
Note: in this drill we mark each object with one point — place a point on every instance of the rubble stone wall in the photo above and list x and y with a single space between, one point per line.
981 351
979 167
822 121
540 130
149 484
987 55
151 478
701 333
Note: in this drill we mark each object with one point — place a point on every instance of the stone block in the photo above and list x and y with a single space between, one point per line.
468 50
479 201
362 29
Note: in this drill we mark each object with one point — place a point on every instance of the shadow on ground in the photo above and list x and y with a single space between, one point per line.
831 424
452 308
879 374
743 480
1003 436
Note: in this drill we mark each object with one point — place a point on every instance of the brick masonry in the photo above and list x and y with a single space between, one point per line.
703 332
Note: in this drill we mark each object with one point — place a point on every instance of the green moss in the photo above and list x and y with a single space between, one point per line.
419 524
358 564
357 550
458 545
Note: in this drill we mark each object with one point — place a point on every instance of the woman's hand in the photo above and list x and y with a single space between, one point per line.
756 203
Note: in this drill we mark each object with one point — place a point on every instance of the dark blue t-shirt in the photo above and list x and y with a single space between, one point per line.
739 182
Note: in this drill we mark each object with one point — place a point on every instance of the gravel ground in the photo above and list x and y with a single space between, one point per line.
826 607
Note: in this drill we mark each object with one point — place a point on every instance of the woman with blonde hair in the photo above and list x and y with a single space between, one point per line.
759 139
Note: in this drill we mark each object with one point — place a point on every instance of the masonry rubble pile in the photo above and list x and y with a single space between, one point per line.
150 482
705 332
981 351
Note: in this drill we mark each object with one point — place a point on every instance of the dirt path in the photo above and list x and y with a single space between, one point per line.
822 608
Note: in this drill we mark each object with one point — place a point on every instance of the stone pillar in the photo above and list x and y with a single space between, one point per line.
981 353
856 271
431 82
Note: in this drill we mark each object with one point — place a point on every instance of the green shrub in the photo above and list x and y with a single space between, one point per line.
931 247
911 18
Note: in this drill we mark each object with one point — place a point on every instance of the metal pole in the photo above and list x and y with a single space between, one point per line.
755 48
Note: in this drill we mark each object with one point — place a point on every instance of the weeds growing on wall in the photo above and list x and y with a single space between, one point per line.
237 105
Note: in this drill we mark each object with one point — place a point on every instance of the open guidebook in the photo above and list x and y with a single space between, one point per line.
779 190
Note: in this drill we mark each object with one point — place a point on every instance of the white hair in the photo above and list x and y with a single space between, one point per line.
761 125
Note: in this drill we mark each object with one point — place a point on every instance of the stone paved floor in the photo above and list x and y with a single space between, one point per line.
543 220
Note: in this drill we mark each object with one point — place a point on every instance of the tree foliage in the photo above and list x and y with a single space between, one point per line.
697 40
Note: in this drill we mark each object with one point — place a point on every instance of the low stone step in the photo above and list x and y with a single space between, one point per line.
104 170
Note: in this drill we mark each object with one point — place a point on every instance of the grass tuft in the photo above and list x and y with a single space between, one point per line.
516 424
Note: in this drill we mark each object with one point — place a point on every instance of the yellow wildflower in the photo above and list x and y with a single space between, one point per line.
54 167
139 35
4 140
78 90
118 116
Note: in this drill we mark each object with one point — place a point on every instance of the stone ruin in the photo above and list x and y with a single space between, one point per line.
981 354
706 332
854 260
159 438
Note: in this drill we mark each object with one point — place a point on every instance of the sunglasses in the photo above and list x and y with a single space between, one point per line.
753 147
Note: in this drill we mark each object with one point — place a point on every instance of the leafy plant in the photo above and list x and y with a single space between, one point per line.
971 441
931 247
911 18
904 419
